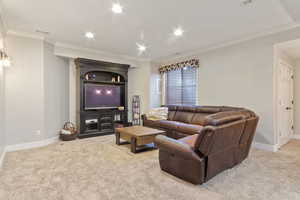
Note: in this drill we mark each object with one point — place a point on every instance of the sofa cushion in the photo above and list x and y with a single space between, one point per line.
169 124
186 108
171 114
200 119
182 116
177 135
151 123
189 129
230 108
171 107
208 109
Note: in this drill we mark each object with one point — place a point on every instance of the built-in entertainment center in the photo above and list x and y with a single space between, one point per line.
102 94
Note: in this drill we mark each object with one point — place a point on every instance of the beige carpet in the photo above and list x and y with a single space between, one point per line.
96 168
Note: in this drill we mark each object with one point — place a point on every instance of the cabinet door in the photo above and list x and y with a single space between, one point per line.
90 124
106 123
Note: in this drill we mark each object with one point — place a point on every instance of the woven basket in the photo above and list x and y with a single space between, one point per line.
69 126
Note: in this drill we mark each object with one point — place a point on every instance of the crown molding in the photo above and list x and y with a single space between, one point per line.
77 48
104 53
72 51
257 35
30 35
25 34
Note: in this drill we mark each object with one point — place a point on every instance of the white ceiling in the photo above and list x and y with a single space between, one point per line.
206 23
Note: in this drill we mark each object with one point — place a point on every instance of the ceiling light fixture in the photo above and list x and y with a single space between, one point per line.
89 35
178 32
141 47
117 8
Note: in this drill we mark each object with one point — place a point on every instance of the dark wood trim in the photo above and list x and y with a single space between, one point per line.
133 144
117 138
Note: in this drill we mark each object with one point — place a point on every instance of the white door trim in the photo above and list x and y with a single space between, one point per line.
276 63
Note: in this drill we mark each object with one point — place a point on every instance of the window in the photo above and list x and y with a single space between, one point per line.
181 86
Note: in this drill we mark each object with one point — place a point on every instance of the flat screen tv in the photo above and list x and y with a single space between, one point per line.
102 96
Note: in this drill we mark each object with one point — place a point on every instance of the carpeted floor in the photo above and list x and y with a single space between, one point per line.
96 168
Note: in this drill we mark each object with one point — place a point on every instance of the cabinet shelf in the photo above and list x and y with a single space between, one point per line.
105 82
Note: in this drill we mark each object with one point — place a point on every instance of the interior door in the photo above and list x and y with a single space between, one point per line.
285 104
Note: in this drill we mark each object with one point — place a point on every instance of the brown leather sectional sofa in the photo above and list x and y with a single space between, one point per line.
202 141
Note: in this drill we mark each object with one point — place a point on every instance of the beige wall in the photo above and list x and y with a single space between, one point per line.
35 89
138 84
56 91
2 114
155 86
2 96
242 75
24 91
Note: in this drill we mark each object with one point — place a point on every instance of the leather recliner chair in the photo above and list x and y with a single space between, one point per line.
221 142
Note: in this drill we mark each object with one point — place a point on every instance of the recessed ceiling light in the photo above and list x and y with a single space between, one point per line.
89 35
141 47
117 8
178 32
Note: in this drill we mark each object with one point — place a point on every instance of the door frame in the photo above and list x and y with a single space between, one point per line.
277 61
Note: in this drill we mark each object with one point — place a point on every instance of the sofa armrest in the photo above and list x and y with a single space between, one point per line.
176 147
205 140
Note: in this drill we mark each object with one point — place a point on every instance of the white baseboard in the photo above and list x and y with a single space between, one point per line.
2 156
296 136
265 147
18 147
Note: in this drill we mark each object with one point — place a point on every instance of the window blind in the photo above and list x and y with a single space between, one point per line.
181 86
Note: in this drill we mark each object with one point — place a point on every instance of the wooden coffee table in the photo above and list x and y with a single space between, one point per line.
137 136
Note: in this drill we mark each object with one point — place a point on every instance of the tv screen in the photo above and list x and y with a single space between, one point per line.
102 96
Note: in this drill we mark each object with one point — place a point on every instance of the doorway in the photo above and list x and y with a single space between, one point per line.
285 104
286 98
